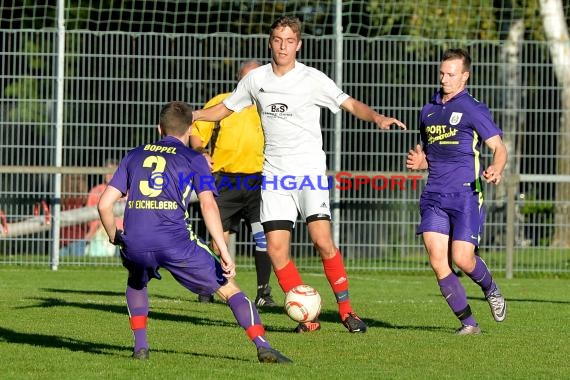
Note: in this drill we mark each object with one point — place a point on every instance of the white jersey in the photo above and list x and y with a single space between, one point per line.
290 110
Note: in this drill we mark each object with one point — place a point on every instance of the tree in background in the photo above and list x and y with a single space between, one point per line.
558 39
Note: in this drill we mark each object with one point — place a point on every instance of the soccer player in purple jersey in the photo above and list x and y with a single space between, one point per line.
158 179
453 126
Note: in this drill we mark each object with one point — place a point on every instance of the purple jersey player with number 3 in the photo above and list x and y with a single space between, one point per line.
453 126
158 179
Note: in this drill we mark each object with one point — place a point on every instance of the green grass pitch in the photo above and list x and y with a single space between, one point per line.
73 324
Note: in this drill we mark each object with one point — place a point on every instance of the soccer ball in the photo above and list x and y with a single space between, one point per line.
303 303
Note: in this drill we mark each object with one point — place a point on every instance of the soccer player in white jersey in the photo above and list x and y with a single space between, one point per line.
289 97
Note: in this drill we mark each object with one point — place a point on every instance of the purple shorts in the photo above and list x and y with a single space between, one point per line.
193 265
458 215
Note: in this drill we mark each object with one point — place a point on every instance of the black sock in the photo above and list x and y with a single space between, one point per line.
263 269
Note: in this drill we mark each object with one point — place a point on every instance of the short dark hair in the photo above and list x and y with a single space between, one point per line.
458 53
175 118
291 21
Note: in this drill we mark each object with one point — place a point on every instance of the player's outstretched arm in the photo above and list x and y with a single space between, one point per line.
416 159
105 207
364 112
215 113
211 215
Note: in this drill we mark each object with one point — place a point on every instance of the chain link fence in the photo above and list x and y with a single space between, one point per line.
114 84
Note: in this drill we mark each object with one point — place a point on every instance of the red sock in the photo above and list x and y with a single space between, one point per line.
338 280
288 276
255 331
138 322
138 325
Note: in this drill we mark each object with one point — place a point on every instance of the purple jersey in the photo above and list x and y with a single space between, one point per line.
451 134
158 179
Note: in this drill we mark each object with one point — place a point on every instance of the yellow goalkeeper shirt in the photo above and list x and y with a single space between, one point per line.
239 142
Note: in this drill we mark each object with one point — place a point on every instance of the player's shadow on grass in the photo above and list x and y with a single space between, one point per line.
509 299
531 300
107 293
199 319
54 341
77 345
155 314
331 316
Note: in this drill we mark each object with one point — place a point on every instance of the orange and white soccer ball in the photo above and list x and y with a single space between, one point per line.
303 303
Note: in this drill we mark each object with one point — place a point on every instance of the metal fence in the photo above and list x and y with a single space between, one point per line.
115 83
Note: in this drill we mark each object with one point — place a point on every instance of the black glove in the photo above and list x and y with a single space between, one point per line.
119 238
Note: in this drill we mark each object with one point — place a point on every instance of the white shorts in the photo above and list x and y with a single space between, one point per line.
287 205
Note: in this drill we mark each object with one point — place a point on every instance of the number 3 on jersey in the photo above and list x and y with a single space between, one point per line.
152 187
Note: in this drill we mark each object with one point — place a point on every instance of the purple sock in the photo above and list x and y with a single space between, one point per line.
137 303
454 294
247 316
482 277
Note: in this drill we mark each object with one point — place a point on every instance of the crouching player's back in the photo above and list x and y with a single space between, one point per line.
158 179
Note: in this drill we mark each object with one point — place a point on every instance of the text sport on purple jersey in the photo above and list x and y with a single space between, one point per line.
452 134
